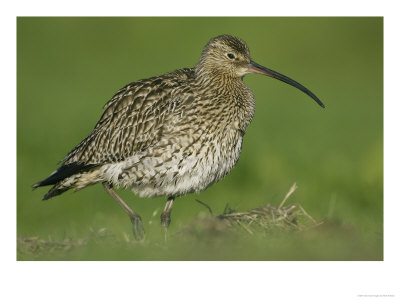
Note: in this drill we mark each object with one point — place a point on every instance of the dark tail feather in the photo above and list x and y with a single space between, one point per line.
55 191
56 177
62 173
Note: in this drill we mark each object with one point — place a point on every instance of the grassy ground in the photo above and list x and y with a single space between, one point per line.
69 67
220 237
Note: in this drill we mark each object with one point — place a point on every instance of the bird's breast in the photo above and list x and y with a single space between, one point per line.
179 167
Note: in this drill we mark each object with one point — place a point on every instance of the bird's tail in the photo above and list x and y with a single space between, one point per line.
55 191
63 179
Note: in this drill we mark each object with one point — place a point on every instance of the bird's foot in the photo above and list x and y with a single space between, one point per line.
165 221
137 227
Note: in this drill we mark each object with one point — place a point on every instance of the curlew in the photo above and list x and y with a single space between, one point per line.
169 135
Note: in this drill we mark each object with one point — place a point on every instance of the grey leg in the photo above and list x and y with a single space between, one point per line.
138 229
166 214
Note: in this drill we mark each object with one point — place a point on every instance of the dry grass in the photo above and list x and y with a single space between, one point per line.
36 246
268 217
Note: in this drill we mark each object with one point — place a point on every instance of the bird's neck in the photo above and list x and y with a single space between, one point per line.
215 79
227 91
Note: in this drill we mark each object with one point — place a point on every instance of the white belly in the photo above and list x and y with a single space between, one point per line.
177 174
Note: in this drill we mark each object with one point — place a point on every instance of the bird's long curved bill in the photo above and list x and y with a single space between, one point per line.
256 68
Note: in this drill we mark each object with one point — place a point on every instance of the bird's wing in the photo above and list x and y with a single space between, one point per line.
133 120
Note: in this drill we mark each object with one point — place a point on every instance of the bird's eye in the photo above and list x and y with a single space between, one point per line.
231 56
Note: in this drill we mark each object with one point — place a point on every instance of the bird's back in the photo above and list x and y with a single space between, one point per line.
133 119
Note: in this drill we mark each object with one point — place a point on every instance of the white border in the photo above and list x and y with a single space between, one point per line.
198 280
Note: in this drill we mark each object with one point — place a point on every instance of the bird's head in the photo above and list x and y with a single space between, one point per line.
225 55
229 57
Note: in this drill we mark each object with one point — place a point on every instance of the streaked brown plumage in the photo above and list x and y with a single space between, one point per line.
172 134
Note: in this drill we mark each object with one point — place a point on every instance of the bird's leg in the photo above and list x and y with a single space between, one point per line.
166 214
138 229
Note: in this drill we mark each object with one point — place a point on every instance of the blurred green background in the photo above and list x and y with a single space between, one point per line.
68 68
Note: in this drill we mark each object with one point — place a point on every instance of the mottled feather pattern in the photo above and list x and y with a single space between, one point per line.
132 120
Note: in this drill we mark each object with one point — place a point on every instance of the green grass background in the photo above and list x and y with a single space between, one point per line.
67 68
